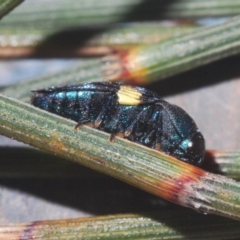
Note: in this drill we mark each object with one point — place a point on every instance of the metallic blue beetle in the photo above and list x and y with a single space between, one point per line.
132 112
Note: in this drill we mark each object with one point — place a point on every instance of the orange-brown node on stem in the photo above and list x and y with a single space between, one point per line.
173 188
125 65
30 230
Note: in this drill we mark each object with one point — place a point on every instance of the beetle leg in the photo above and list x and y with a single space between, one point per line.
112 137
99 119
158 146
79 124
103 113
139 117
158 138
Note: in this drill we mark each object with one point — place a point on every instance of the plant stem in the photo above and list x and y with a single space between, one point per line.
39 41
84 12
7 5
223 162
38 164
156 61
145 168
176 224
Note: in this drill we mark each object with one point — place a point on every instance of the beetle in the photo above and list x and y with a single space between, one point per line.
134 113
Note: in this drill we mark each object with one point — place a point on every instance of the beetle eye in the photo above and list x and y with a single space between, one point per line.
195 146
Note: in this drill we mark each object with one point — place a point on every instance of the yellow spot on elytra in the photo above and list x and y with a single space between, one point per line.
128 95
